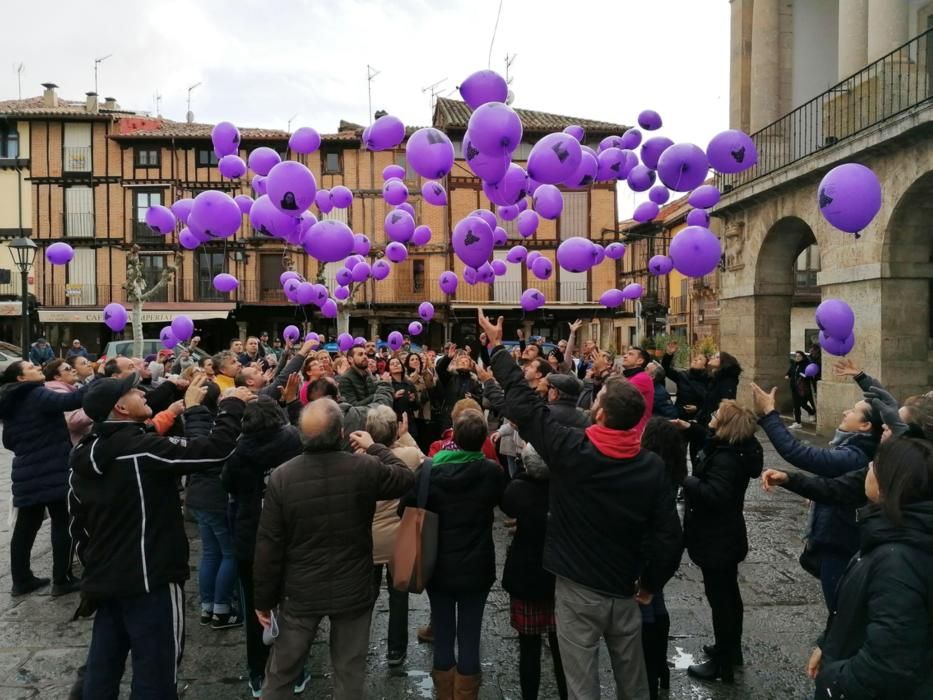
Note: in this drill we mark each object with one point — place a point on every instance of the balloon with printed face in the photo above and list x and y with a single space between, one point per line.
612 298
386 132
448 282
660 265
849 197
426 311
640 178
329 241
399 226
652 149
542 268
182 327
261 160
291 187
575 254
548 202
835 346
305 140
732 151
415 328
341 196
394 191
361 244
695 251
168 338
472 241
381 270
483 86
393 172
532 299
649 120
554 158
836 318
59 253
489 167
160 219
615 250
225 283
216 214
232 167
115 317
421 235
430 152
434 193
396 252
659 194
495 128
683 167
225 138
698 217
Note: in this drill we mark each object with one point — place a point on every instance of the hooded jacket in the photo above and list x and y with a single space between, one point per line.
724 384
714 499
878 641
35 431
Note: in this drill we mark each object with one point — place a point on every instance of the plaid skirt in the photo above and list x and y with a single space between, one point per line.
533 616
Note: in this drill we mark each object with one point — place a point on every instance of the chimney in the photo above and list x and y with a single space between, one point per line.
111 103
91 103
49 97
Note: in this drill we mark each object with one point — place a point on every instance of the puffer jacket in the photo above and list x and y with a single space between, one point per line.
662 403
205 490
314 546
35 431
79 423
714 499
879 640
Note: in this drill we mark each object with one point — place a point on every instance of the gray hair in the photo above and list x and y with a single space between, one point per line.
382 424
329 435
221 357
656 371
534 464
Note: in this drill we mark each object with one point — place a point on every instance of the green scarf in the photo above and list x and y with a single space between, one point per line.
456 457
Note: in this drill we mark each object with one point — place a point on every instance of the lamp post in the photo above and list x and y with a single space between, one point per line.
24 254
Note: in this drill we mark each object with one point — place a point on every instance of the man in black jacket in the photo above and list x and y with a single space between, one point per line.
129 533
613 535
357 386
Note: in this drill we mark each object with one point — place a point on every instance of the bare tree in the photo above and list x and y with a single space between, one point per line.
138 292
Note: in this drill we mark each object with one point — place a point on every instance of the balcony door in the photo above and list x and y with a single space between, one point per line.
209 265
76 148
270 268
142 200
153 266
81 288
508 287
79 212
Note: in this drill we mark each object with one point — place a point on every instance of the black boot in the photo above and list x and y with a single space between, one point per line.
737 658
711 670
31 584
649 646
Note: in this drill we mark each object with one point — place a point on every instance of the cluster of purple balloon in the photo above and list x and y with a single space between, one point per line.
299 291
612 298
180 330
836 322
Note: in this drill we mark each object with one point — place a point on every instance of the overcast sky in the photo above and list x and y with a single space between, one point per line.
260 64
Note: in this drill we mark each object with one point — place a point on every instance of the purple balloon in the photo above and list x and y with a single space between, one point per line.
683 167
289 275
615 250
695 251
485 273
341 293
329 241
269 221
599 253
182 327
344 276
393 171
469 275
554 158
472 241
430 153
329 309
291 187
344 342
244 202
160 219
531 257
187 239
813 369
395 340
216 214
486 216
489 167
640 178
168 338
527 223
732 151
415 328
660 265
577 131
261 160
516 254
575 254
426 311
399 226
305 140
849 197
434 193
633 291
837 347
258 183
381 270
225 283
704 197
652 149
483 86
522 204
610 142
499 267
645 212
360 273
291 333
341 197
59 253
386 132
361 244
836 318
548 202
611 298
115 316
447 282
698 217
649 120
182 209
304 294
532 299
225 138
394 191
495 128
510 189
509 212
232 167
630 139
352 261
542 268
421 235
312 337
320 294
396 252
659 194
500 237
405 206
586 172
610 162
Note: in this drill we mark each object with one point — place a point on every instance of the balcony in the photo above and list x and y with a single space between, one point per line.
893 84
76 159
78 224
679 306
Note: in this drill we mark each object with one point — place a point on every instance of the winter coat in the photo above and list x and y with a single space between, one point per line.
524 576
314 546
127 520
714 500
722 385
640 379
356 389
612 512
245 474
81 351
798 382
408 402
831 527
453 386
205 491
35 431
662 403
464 496
692 385
79 423
39 356
565 412
879 640
386 519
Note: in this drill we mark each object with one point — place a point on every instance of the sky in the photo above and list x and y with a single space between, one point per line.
263 64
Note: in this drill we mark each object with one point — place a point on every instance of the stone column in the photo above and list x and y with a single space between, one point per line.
765 69
887 27
853 37
241 328
373 328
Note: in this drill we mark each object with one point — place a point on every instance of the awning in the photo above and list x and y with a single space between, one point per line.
11 308
195 313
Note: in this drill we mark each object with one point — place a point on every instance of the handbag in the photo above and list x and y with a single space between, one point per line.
414 553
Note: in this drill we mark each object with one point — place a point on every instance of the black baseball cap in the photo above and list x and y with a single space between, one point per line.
102 395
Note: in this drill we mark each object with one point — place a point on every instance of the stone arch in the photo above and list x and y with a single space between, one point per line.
774 262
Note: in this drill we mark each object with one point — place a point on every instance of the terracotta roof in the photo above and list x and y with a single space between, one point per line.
183 130
34 107
453 114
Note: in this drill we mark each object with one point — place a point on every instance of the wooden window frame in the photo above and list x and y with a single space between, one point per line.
140 150
325 170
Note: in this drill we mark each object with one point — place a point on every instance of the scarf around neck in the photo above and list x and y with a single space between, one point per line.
456 457
618 444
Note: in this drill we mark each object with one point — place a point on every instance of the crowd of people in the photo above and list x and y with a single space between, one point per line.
298 467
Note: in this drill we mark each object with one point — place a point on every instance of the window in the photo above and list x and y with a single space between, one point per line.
270 267
508 287
808 265
76 148
153 265
333 162
410 174
9 140
209 265
79 212
147 157
81 288
574 219
143 199
207 157
417 275
336 214
572 286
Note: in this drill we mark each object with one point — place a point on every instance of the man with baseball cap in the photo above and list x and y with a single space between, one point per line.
129 533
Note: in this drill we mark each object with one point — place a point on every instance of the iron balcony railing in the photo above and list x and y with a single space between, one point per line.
893 84
76 159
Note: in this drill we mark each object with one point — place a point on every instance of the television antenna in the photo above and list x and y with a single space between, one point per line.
288 128
157 97
97 62
19 68
190 115
370 74
509 60
433 88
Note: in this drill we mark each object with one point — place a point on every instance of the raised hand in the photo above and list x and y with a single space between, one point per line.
845 368
196 390
483 373
576 325
672 347
763 403
291 387
493 331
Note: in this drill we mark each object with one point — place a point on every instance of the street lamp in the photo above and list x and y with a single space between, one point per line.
24 254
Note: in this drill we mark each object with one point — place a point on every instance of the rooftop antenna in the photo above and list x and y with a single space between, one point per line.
509 60
19 68
433 88
370 74
288 128
158 103
97 62
190 116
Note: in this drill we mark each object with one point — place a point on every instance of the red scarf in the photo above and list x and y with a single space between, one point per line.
618 444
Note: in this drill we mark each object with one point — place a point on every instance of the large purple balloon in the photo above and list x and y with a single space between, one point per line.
485 273
660 265
329 309
393 171
216 214
695 251
394 191
415 328
510 189
225 138
381 270
115 316
652 149
344 276
182 327
610 162
532 299
542 268
633 291
386 132
516 254
261 160
182 209
483 86
430 153
291 186
160 219
426 311
399 226
489 167
472 241
269 221
396 252
615 250
168 338
344 342
290 287
508 212
495 128
683 167
361 244
304 140
225 283
732 151
447 282
554 158
187 239
499 267
659 194
575 254
304 294
850 197
527 223
630 139
486 216
836 318
837 347
704 197
698 217
244 202
646 211
640 178
434 193
360 273
341 196
649 120
232 166
586 172
421 235
610 142
611 298
548 202
329 241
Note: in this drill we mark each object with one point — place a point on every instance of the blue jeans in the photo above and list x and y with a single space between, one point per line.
218 567
457 618
832 566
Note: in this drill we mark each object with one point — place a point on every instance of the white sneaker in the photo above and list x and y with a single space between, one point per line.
795 426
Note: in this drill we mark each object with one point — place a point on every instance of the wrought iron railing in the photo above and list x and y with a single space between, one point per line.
76 159
893 84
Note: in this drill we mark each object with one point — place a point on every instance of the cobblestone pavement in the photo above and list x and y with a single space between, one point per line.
40 647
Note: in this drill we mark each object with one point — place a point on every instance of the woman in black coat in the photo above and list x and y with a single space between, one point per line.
878 642
692 387
35 431
714 529
530 587
723 370
799 385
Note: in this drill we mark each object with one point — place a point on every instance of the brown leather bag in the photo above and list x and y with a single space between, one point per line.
415 550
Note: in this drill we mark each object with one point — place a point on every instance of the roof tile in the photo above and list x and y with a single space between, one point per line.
454 114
